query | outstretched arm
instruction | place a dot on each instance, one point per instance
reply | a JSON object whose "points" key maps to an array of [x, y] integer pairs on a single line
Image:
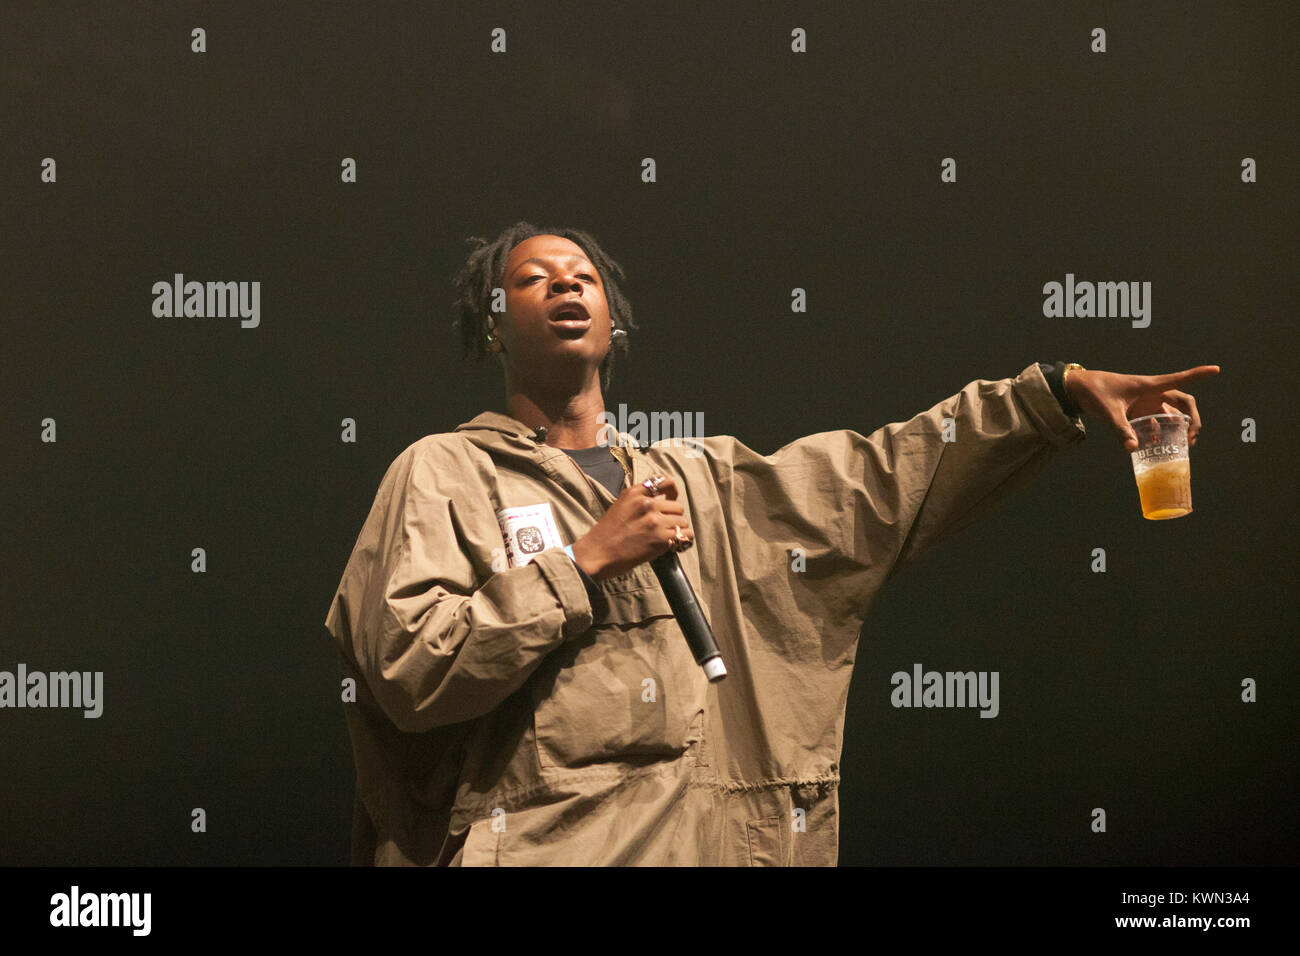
{"points": [[866, 505]]}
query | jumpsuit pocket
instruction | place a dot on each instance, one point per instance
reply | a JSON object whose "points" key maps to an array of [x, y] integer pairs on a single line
{"points": [[765, 841], [628, 688]]}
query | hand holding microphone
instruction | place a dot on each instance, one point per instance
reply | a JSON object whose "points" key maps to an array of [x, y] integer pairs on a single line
{"points": [[646, 523], [637, 528]]}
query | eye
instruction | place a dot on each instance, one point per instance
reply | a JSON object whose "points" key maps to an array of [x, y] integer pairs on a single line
{"points": [[584, 275]]}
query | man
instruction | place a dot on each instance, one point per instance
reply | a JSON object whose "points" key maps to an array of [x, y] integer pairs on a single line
{"points": [[525, 695]]}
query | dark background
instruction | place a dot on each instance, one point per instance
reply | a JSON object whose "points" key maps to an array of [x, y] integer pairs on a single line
{"points": [[775, 170]]}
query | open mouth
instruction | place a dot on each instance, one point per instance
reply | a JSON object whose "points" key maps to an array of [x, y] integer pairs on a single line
{"points": [[571, 325], [572, 318]]}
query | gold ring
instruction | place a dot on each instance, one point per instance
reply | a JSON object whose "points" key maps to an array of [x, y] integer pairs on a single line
{"points": [[679, 542]]}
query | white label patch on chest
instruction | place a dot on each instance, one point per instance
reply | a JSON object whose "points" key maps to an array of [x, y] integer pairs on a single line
{"points": [[528, 531]]}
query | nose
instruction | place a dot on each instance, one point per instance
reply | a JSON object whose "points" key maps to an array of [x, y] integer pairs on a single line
{"points": [[566, 282]]}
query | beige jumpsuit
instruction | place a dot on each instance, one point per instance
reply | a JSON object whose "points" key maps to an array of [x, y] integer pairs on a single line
{"points": [[498, 720]]}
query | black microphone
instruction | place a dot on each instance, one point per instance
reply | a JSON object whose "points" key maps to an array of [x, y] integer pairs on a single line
{"points": [[681, 598]]}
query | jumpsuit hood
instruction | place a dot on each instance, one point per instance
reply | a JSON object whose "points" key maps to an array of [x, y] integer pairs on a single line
{"points": [[503, 424], [522, 435]]}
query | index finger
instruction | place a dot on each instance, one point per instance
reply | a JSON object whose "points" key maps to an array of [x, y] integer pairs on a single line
{"points": [[1188, 375]]}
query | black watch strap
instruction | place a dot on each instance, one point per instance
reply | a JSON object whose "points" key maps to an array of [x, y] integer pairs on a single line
{"points": [[1055, 375]]}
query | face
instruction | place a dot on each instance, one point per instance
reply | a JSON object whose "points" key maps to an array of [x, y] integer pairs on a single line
{"points": [[550, 283]]}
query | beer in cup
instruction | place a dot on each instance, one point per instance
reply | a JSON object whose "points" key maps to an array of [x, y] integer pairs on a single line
{"points": [[1162, 467]]}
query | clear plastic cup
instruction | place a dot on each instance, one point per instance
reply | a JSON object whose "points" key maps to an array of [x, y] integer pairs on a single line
{"points": [[1162, 467]]}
